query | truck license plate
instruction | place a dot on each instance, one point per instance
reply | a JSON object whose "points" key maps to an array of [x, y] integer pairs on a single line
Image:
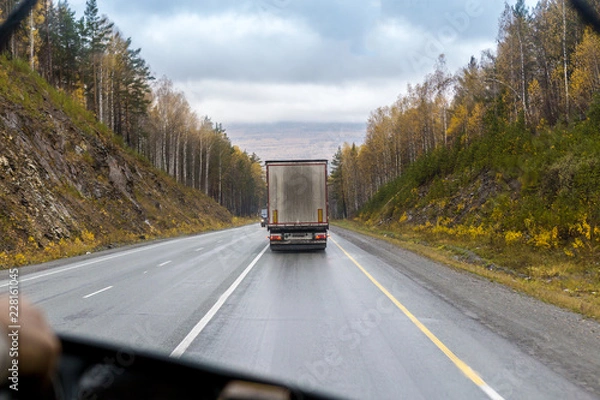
{"points": [[300, 236]]}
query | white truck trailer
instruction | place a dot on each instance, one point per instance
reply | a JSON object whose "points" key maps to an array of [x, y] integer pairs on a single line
{"points": [[298, 209]]}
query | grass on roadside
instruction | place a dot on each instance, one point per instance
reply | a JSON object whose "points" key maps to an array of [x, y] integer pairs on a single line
{"points": [[32, 253]]}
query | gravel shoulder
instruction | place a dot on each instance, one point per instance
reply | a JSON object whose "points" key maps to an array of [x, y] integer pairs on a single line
{"points": [[564, 341]]}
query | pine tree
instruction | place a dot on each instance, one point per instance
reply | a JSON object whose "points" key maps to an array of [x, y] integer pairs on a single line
{"points": [[96, 35]]}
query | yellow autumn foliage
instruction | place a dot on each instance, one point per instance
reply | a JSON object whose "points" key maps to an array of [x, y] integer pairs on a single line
{"points": [[512, 237]]}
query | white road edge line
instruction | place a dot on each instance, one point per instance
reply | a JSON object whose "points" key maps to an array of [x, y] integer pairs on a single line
{"points": [[185, 343], [98, 291], [492, 394]]}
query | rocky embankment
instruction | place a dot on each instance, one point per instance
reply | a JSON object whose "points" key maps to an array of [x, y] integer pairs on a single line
{"points": [[66, 178]]}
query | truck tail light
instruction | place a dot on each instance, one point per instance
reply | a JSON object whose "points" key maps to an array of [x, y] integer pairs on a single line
{"points": [[320, 236], [276, 237]]}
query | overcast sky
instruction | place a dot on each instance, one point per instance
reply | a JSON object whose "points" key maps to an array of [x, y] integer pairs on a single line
{"points": [[300, 60]]}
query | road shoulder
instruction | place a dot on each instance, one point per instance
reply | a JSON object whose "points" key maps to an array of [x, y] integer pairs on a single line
{"points": [[564, 341]]}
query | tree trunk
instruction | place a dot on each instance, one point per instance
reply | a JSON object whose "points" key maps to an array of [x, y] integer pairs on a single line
{"points": [[100, 97], [31, 42], [206, 170], [523, 77], [565, 61]]}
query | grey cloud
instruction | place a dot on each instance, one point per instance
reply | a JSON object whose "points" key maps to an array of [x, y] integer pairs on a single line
{"points": [[162, 7], [317, 43], [342, 20], [462, 18], [258, 62]]}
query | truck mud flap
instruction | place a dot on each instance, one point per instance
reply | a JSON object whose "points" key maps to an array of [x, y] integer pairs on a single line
{"points": [[298, 247]]}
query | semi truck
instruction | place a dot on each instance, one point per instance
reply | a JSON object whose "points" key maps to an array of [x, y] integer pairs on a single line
{"points": [[297, 207]]}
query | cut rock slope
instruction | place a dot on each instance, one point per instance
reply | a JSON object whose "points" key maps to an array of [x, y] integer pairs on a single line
{"points": [[64, 176]]}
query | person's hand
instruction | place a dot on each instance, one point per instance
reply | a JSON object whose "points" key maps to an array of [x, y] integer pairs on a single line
{"points": [[38, 346]]}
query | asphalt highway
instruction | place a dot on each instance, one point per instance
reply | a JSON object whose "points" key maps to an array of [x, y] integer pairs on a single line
{"points": [[351, 320]]}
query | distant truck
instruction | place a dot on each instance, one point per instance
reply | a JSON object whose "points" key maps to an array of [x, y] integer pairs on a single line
{"points": [[298, 209], [263, 217]]}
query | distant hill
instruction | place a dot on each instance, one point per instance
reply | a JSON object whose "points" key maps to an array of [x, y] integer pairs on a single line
{"points": [[68, 185], [292, 140]]}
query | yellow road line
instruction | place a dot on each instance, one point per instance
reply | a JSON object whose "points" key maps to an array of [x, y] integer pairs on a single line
{"points": [[462, 366]]}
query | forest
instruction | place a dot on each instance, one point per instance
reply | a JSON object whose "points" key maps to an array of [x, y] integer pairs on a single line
{"points": [[543, 74], [522, 118], [90, 59]]}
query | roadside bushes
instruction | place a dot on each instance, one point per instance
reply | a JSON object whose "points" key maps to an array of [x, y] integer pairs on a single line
{"points": [[511, 187]]}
